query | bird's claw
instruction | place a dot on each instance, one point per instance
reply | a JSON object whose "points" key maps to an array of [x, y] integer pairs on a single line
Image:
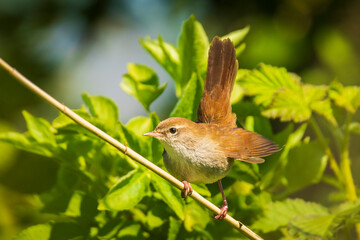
{"points": [[187, 191], [223, 211]]}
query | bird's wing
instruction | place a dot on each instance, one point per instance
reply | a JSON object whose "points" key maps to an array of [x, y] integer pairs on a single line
{"points": [[246, 146], [222, 67]]}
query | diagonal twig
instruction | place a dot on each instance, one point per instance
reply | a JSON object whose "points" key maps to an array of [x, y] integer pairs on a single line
{"points": [[129, 152]]}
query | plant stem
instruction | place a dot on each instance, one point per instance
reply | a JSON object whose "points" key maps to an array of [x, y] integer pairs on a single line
{"points": [[345, 162], [126, 150], [345, 166], [333, 164]]}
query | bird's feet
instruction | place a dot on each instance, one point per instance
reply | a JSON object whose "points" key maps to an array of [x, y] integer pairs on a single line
{"points": [[223, 211], [187, 191]]}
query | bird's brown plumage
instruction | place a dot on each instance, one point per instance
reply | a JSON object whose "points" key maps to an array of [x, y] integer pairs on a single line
{"points": [[215, 107], [222, 67]]}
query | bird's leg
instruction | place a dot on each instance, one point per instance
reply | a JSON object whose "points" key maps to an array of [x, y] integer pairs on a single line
{"points": [[224, 207], [187, 189]]}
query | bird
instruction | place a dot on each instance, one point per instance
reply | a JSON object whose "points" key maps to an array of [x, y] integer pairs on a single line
{"points": [[204, 151]]}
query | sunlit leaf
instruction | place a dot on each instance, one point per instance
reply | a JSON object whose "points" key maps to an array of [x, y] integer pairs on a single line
{"points": [[142, 83], [346, 97], [39, 232], [164, 53], [265, 80], [288, 104], [40, 129], [237, 36], [315, 98], [193, 47], [26, 143], [127, 192], [189, 102], [103, 109]]}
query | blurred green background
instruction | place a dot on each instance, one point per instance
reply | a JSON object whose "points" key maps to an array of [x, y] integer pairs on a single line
{"points": [[69, 47]]}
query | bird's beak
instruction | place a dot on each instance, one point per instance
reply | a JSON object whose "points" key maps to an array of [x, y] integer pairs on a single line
{"points": [[152, 134]]}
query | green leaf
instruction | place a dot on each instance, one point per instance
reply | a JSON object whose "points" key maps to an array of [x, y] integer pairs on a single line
{"points": [[266, 80], [279, 214], [313, 226], [156, 216], [164, 53], [23, 142], [271, 170], [39, 232], [355, 127], [130, 232], [173, 228], [127, 192], [188, 104], [141, 125], [170, 195], [193, 47], [103, 109], [196, 217], [238, 91], [142, 83], [284, 97], [244, 172], [310, 158], [40, 129], [288, 104], [315, 98], [346, 97], [237, 36], [201, 189]]}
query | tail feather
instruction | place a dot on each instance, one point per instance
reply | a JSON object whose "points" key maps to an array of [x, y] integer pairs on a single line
{"points": [[215, 104]]}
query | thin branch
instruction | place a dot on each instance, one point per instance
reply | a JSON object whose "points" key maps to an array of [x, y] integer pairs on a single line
{"points": [[129, 152]]}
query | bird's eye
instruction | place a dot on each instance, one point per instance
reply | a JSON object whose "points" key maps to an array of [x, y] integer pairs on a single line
{"points": [[172, 130]]}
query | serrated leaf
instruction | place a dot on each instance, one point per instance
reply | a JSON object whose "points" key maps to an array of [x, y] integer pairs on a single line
{"points": [[288, 104], [39, 232], [237, 36], [170, 195], [310, 158], [142, 83], [279, 214], [315, 98], [103, 109], [189, 102], [265, 80], [193, 47], [313, 226], [40, 129], [346, 97], [164, 53], [127, 192]]}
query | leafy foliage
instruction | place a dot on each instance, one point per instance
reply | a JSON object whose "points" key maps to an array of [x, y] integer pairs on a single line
{"points": [[102, 194]]}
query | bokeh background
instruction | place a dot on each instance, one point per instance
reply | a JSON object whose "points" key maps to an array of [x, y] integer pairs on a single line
{"points": [[70, 47]]}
